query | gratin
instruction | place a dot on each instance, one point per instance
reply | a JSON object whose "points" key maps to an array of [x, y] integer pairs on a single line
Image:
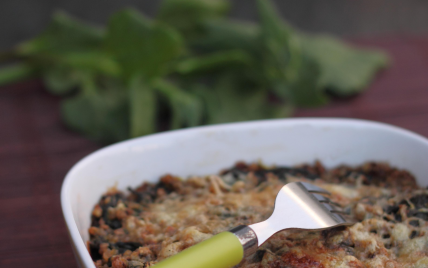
{"points": [[155, 221]]}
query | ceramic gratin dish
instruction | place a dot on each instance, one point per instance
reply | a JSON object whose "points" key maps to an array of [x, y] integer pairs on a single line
{"points": [[207, 150]]}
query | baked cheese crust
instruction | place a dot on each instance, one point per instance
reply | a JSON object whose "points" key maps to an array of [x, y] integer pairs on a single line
{"points": [[155, 221]]}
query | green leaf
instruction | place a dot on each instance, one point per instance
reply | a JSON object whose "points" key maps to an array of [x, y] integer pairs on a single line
{"points": [[16, 73], [276, 36], [141, 47], [187, 15], [91, 61], [220, 35], [344, 70], [273, 28], [69, 70], [60, 80], [186, 108], [293, 77], [191, 63], [304, 90], [282, 57], [142, 110], [221, 60], [64, 34], [229, 102], [228, 35], [101, 116]]}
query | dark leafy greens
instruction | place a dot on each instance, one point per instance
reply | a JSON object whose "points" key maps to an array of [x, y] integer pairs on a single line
{"points": [[188, 66]]}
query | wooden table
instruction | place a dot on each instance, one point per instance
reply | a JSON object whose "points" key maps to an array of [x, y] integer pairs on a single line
{"points": [[36, 150]]}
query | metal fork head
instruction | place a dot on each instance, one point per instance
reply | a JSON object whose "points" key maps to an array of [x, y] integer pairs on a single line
{"points": [[300, 205]]}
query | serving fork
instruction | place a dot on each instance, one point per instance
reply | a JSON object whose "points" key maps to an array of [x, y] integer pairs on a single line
{"points": [[298, 205]]}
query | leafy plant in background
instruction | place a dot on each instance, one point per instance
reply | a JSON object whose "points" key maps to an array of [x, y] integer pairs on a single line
{"points": [[188, 66]]}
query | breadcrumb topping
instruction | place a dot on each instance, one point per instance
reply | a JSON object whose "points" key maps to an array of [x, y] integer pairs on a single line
{"points": [[155, 221]]}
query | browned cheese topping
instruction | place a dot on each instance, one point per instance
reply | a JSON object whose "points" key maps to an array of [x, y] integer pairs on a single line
{"points": [[155, 221]]}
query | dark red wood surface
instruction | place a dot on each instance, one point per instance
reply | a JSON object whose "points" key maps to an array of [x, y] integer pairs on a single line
{"points": [[36, 150]]}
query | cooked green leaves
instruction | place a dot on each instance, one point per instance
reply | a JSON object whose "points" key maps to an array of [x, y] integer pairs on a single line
{"points": [[189, 66]]}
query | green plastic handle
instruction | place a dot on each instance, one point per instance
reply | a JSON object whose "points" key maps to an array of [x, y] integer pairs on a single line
{"points": [[223, 250]]}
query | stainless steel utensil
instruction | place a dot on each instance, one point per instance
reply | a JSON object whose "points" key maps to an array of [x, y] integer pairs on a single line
{"points": [[298, 205]]}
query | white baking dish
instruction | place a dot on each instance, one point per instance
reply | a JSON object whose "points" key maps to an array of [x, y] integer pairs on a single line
{"points": [[206, 150]]}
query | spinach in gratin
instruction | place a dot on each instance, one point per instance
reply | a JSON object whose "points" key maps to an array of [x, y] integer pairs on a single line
{"points": [[155, 221]]}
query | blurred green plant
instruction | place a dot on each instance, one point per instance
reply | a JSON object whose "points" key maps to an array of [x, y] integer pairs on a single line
{"points": [[190, 65]]}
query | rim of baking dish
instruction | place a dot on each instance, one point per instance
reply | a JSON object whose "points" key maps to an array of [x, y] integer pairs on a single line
{"points": [[80, 245]]}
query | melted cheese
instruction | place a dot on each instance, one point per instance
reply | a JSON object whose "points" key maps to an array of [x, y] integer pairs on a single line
{"points": [[203, 206]]}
